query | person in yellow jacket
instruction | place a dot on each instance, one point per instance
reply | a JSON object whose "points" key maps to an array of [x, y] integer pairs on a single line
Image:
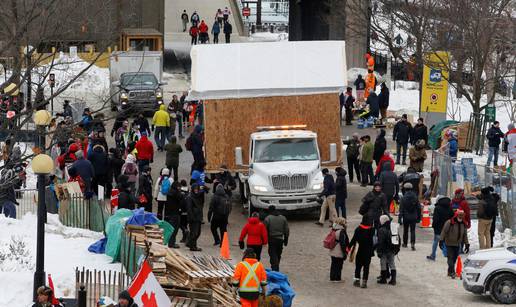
{"points": [[249, 277], [161, 121]]}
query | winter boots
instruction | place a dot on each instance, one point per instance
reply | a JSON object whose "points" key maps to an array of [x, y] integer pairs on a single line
{"points": [[383, 278], [356, 282], [363, 285], [393, 278]]}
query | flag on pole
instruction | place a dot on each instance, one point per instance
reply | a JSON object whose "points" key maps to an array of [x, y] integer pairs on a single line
{"points": [[55, 301], [146, 290]]}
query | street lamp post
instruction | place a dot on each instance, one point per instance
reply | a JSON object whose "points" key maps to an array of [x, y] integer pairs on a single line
{"points": [[42, 119], [42, 165]]}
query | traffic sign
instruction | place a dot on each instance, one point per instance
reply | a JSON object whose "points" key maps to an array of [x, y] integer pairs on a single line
{"points": [[246, 11], [490, 113]]}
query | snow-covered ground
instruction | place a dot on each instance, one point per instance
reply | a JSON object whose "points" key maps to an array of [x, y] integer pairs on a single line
{"points": [[66, 248], [268, 37]]}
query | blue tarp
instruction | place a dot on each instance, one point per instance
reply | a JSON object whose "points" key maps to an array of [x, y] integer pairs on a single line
{"points": [[140, 217], [98, 247], [277, 283]]}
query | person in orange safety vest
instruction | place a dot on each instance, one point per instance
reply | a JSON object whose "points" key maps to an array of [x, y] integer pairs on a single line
{"points": [[249, 277]]}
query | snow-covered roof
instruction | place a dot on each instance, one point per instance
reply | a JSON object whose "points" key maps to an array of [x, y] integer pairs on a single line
{"points": [[267, 69]]}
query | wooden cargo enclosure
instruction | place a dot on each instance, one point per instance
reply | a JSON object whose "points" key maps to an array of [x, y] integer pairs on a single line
{"points": [[230, 122]]}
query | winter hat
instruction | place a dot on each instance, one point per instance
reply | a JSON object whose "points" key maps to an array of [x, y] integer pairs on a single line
{"points": [[73, 147], [165, 172], [487, 190], [130, 158], [459, 191], [126, 296], [404, 116], [377, 184], [384, 219], [407, 186], [79, 154]]}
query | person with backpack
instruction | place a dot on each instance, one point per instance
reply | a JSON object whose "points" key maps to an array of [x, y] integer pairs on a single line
{"points": [[194, 19], [442, 213], [459, 203], [454, 235], [390, 185], [352, 152], [130, 169], [174, 205], [328, 194], [341, 192], [363, 236], [386, 250], [184, 20], [161, 189], [410, 215], [337, 242], [412, 177], [256, 234], [218, 214], [278, 232], [373, 205], [173, 151], [145, 189], [194, 206], [486, 210]]}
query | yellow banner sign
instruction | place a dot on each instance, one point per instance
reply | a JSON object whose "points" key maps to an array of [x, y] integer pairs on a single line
{"points": [[434, 94]]}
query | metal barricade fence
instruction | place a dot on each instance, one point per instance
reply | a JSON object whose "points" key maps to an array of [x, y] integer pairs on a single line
{"points": [[27, 202]]}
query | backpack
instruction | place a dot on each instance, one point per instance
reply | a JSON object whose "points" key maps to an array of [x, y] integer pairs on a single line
{"points": [[395, 238], [189, 143], [225, 207], [165, 185], [131, 171], [331, 240], [490, 209]]}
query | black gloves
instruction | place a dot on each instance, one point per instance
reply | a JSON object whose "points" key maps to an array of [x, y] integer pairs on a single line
{"points": [[466, 249], [241, 244], [285, 242]]}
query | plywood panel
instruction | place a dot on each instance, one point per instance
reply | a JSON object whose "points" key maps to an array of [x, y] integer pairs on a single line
{"points": [[229, 122]]}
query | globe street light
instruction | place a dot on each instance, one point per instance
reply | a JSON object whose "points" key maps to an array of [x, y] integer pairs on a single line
{"points": [[42, 119], [42, 165]]}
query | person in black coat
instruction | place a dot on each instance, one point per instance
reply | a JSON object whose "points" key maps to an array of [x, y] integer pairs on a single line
{"points": [[143, 124], [410, 176], [99, 159], [373, 205], [175, 203], [228, 29], [126, 199], [341, 191], [390, 184], [194, 204], [419, 132], [442, 213], [410, 215], [386, 252], [328, 194], [145, 188], [116, 162], [383, 100], [494, 136], [218, 214], [349, 102], [363, 235], [401, 134], [380, 145], [374, 107]]}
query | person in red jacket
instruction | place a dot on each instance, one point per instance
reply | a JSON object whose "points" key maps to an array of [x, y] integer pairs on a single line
{"points": [[203, 32], [459, 202], [145, 151], [194, 32], [68, 157], [386, 157], [256, 235]]}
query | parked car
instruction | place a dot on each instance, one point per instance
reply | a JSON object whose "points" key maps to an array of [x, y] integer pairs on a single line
{"points": [[492, 272]]}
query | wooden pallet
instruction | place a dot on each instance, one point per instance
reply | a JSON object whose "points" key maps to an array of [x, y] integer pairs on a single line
{"points": [[208, 275], [183, 302]]}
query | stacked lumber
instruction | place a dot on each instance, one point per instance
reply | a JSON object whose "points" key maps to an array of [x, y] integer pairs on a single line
{"points": [[203, 272], [151, 237]]}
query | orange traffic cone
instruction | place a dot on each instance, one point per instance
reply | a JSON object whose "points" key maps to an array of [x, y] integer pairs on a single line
{"points": [[224, 248], [425, 220], [458, 269]]}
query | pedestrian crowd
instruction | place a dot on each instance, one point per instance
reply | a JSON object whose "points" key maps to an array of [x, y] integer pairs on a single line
{"points": [[199, 28]]}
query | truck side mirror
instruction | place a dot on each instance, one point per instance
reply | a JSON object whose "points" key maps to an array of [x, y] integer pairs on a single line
{"points": [[333, 152], [238, 156]]}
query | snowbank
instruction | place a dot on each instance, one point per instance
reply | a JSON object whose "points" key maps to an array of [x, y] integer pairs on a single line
{"points": [[500, 239], [268, 37], [66, 248]]}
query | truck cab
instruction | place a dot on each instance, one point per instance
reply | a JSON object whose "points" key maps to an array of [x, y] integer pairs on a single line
{"points": [[284, 169]]}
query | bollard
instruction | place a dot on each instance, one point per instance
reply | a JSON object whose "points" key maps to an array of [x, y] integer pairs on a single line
{"points": [[81, 297]]}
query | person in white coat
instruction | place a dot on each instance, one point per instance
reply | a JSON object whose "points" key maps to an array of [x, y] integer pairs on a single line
{"points": [[161, 197]]}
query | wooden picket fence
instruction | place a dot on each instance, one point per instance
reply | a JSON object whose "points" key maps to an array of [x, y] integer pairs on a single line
{"points": [[100, 283]]}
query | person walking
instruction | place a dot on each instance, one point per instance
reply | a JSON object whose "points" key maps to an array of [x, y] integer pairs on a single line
{"points": [[454, 235], [360, 88], [338, 253], [249, 277], [366, 161], [401, 135], [380, 145], [172, 109], [386, 251], [373, 204], [352, 153], [194, 33], [225, 14], [420, 132], [410, 215], [328, 194], [130, 169], [184, 20], [349, 103], [175, 203], [374, 107], [215, 30], [194, 143], [194, 19], [143, 124], [219, 17], [390, 185], [417, 155], [203, 32], [161, 122], [173, 151], [145, 152], [486, 210], [228, 29], [256, 235], [145, 189], [101, 167], [363, 236], [383, 100], [341, 192], [194, 204], [278, 232], [494, 136], [459, 202], [442, 213], [183, 225], [161, 189], [218, 214]]}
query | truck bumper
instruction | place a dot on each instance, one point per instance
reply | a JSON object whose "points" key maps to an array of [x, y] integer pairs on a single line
{"points": [[286, 202]]}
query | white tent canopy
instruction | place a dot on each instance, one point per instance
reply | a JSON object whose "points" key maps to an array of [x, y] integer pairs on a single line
{"points": [[267, 69]]}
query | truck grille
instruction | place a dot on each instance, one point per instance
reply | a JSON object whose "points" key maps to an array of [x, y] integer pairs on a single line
{"points": [[289, 183], [141, 94]]}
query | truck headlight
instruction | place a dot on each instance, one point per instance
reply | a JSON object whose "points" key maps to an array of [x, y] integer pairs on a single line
{"points": [[317, 186], [123, 95], [260, 188], [159, 93], [476, 264]]}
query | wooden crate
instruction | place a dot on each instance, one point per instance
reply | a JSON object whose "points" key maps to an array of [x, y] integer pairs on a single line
{"points": [[230, 122]]}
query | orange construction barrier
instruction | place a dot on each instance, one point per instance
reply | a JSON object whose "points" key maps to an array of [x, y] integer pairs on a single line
{"points": [[458, 269], [224, 248], [425, 219]]}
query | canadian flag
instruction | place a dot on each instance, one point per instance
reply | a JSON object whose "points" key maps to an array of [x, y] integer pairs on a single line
{"points": [[146, 290]]}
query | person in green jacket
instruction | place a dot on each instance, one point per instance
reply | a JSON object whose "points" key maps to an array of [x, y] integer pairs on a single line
{"points": [[173, 150], [366, 160]]}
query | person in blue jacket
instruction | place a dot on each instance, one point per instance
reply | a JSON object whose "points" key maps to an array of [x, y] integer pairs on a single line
{"points": [[454, 145], [215, 30]]}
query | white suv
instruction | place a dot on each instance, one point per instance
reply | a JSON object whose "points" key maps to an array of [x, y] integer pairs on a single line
{"points": [[493, 272]]}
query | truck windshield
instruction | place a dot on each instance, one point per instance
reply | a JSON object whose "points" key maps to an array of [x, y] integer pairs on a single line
{"points": [[285, 150], [147, 79]]}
